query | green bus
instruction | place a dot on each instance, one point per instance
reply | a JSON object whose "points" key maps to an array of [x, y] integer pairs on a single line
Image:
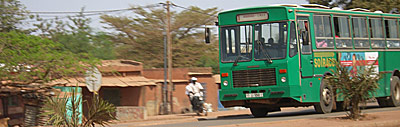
{"points": [[277, 56]]}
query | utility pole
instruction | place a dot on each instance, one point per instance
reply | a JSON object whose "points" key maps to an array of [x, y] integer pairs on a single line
{"points": [[165, 85], [169, 55]]}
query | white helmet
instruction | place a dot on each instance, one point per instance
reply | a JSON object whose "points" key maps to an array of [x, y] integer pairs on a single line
{"points": [[194, 79]]}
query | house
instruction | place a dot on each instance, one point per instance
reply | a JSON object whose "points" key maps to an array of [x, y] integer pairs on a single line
{"points": [[137, 92], [123, 85], [20, 104], [180, 78]]}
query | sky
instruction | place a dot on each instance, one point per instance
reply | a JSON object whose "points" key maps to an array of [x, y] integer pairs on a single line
{"points": [[76, 5], [97, 5]]}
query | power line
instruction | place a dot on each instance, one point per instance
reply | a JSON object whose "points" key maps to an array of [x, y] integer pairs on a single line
{"points": [[75, 12], [193, 10], [101, 11], [62, 17], [65, 14]]}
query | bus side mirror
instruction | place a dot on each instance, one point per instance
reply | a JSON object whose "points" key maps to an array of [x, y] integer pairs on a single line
{"points": [[207, 35]]}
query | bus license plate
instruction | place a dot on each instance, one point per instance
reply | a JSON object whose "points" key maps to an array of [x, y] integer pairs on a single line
{"points": [[251, 95]]}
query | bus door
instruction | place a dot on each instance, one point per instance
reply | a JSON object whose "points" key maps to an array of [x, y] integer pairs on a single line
{"points": [[306, 57]]}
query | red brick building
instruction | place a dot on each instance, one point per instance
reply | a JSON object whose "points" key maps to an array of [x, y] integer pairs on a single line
{"points": [[180, 77], [137, 92]]}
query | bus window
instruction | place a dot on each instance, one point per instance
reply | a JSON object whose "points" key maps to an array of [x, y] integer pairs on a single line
{"points": [[342, 32], [292, 40], [246, 38], [323, 32], [236, 43], [376, 30], [392, 34], [270, 41], [360, 33], [304, 37]]}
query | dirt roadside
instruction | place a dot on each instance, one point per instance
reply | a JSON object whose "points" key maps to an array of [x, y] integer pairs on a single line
{"points": [[378, 119]]}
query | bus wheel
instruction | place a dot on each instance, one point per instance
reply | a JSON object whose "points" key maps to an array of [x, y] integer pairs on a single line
{"points": [[259, 112], [394, 99], [326, 100]]}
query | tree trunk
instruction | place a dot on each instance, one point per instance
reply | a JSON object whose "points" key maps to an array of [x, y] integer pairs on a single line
{"points": [[355, 109]]}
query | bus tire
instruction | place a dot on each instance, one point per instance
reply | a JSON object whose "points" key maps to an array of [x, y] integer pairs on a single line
{"points": [[259, 112], [326, 100], [394, 98]]}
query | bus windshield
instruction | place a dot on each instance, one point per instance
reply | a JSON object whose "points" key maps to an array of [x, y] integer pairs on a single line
{"points": [[270, 41], [236, 43]]}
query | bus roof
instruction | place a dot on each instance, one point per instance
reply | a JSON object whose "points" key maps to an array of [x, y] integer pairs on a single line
{"points": [[317, 9]]}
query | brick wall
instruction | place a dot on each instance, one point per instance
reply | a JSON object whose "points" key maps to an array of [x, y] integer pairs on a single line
{"points": [[180, 99], [129, 113]]}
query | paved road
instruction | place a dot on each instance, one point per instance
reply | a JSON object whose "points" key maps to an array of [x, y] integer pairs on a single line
{"points": [[300, 113]]}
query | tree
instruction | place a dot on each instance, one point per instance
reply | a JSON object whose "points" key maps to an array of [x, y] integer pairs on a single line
{"points": [[354, 87], [11, 14], [141, 37], [28, 59], [387, 6], [77, 36]]}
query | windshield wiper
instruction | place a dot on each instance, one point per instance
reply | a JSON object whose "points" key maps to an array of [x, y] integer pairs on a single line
{"points": [[264, 52], [237, 60]]}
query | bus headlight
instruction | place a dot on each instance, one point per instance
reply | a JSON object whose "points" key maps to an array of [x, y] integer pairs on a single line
{"points": [[283, 79], [225, 83]]}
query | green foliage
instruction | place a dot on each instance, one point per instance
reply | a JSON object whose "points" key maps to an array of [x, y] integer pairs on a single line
{"points": [[141, 37], [103, 47], [354, 87], [100, 112], [57, 108], [206, 61], [77, 36], [64, 111], [11, 14], [387, 6], [30, 59]]}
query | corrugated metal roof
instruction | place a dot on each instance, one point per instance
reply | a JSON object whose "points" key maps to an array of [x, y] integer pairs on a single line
{"points": [[175, 80], [112, 81], [196, 73]]}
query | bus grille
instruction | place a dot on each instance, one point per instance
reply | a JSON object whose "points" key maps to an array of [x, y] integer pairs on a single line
{"points": [[259, 77]]}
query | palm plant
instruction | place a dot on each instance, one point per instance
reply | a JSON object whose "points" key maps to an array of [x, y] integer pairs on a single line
{"points": [[354, 87], [64, 111]]}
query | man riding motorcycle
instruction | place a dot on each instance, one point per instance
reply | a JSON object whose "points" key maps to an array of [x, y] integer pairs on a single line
{"points": [[194, 90]]}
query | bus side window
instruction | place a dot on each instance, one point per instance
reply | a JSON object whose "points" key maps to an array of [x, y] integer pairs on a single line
{"points": [[376, 30], [292, 40], [342, 32], [360, 32], [303, 36], [323, 31], [392, 34]]}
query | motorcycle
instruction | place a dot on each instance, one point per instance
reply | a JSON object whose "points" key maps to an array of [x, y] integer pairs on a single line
{"points": [[198, 106]]}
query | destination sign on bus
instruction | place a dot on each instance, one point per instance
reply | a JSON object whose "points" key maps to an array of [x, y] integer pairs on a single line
{"points": [[252, 17]]}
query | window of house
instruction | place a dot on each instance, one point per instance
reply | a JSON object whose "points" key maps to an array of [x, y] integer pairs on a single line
{"points": [[392, 34], [360, 32], [112, 95], [13, 101], [342, 32], [204, 85], [323, 31], [376, 30]]}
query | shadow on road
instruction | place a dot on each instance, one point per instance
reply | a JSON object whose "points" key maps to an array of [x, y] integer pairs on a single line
{"points": [[295, 113]]}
